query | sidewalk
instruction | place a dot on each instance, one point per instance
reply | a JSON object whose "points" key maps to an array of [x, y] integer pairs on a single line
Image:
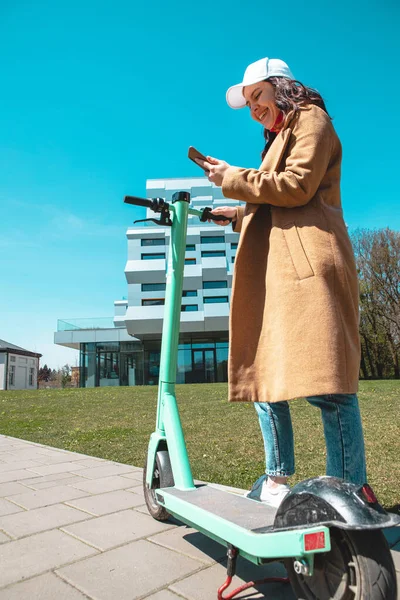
{"points": [[73, 527]]}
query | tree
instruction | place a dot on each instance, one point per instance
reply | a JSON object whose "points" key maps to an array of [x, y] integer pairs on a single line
{"points": [[65, 375], [378, 263], [44, 373]]}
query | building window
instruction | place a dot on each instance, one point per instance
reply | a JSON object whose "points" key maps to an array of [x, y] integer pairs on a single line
{"points": [[153, 256], [215, 299], [190, 261], [212, 253], [190, 247], [31, 376], [12, 358], [212, 239], [11, 375], [189, 293], [189, 308], [214, 285], [153, 287], [234, 246], [153, 302], [153, 242], [233, 259]]}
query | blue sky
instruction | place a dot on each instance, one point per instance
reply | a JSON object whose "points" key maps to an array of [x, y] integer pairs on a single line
{"points": [[99, 96]]}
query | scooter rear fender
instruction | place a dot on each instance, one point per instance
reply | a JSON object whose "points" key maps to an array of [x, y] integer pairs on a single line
{"points": [[332, 502]]}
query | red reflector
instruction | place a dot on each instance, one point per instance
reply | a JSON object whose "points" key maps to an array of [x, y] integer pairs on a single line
{"points": [[314, 541], [368, 494]]}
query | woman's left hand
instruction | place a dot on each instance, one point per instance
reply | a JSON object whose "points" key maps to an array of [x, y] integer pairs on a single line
{"points": [[214, 169]]}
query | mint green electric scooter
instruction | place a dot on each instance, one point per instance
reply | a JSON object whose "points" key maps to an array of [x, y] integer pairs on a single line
{"points": [[327, 532]]}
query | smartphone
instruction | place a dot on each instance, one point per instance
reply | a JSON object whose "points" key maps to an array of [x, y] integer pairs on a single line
{"points": [[193, 154]]}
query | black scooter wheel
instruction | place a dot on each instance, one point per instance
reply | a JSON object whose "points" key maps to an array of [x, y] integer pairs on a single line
{"points": [[162, 478], [359, 566]]}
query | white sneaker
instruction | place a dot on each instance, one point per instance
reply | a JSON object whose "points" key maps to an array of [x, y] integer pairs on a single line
{"points": [[274, 495], [256, 488]]}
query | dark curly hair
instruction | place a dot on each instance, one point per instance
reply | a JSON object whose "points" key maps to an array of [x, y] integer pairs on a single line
{"points": [[290, 94]]}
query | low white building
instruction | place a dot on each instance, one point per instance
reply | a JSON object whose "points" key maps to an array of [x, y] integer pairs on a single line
{"points": [[18, 367]]}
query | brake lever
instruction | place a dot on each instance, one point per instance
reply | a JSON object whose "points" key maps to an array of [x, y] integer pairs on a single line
{"points": [[165, 220]]}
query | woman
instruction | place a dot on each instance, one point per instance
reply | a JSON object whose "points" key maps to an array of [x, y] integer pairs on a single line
{"points": [[294, 308]]}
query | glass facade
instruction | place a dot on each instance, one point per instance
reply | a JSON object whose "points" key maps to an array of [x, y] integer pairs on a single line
{"points": [[212, 253], [212, 239], [213, 285], [153, 242], [153, 256], [137, 363]]}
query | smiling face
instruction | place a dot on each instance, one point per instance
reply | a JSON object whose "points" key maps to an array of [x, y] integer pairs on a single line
{"points": [[260, 98]]}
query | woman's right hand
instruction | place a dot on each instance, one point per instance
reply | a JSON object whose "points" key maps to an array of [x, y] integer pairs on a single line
{"points": [[227, 211]]}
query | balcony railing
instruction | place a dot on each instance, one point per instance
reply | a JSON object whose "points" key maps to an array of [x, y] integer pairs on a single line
{"points": [[91, 323]]}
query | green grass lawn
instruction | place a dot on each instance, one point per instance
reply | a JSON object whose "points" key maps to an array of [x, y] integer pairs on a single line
{"points": [[223, 439]]}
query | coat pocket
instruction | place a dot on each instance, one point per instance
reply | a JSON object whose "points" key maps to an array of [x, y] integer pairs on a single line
{"points": [[296, 250]]}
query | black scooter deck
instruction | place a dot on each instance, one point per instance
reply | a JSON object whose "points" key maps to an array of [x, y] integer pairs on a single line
{"points": [[249, 514]]}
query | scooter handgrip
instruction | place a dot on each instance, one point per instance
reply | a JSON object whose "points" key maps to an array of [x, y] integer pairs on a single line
{"points": [[208, 215], [146, 202]]}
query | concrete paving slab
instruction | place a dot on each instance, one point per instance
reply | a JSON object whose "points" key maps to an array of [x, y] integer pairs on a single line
{"points": [[163, 595], [93, 462], [396, 557], [102, 504], [7, 490], [137, 475], [129, 572], [204, 585], [17, 475], [118, 528], [20, 464], [49, 484], [164, 564], [4, 538], [105, 471], [28, 522], [142, 508], [68, 467], [39, 553], [8, 508], [103, 484], [137, 485], [191, 543], [38, 498], [43, 587], [46, 478], [55, 459], [25, 454]]}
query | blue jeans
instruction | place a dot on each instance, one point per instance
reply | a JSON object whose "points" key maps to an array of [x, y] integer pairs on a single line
{"points": [[345, 454]]}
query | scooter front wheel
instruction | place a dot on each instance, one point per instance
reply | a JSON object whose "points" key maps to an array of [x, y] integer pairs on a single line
{"points": [[162, 477], [359, 566]]}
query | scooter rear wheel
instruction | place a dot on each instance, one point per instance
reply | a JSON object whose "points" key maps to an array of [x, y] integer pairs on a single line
{"points": [[359, 566], [162, 477]]}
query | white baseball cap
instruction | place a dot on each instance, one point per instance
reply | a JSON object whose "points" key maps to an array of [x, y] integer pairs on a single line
{"points": [[258, 71]]}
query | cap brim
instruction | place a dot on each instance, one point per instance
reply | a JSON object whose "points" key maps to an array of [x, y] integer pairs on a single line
{"points": [[234, 96]]}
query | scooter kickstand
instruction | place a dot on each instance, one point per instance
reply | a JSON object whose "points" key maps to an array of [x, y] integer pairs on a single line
{"points": [[232, 555]]}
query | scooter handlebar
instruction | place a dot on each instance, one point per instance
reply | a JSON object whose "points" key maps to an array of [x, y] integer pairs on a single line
{"points": [[207, 214], [146, 202]]}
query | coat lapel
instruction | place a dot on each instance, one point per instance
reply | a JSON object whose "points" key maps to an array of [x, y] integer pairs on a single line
{"points": [[275, 153], [271, 161]]}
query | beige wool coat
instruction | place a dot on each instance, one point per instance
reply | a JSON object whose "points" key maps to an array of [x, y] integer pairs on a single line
{"points": [[294, 307]]}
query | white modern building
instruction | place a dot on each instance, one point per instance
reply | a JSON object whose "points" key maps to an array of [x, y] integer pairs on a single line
{"points": [[18, 367], [125, 350]]}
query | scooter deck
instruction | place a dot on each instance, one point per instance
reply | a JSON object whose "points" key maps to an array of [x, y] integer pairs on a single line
{"points": [[240, 511], [244, 523]]}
